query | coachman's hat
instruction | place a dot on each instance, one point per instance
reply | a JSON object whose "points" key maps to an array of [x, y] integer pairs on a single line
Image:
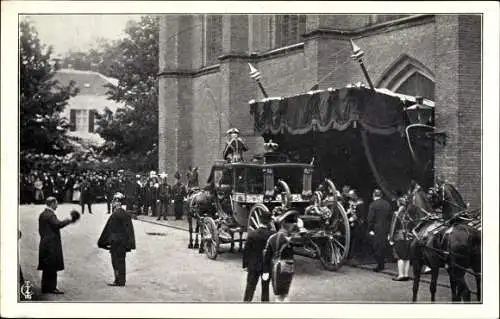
{"points": [[233, 131]]}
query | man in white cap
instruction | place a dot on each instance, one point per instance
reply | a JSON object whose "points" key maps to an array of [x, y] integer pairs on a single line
{"points": [[118, 237], [233, 152]]}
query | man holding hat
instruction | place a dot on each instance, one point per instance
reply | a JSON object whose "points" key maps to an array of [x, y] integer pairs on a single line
{"points": [[118, 237], [50, 254], [279, 258], [253, 259], [379, 219]]}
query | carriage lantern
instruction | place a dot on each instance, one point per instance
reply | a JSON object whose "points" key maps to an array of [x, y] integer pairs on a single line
{"points": [[420, 113]]}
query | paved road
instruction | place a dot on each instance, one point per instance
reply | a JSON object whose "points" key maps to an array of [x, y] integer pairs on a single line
{"points": [[162, 269]]}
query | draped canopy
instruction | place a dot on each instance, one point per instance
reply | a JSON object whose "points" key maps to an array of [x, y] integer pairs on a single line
{"points": [[377, 112], [370, 128]]}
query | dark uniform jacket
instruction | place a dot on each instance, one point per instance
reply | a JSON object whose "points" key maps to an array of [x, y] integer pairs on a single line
{"points": [[164, 192], [50, 254], [253, 253], [178, 192], [379, 218], [272, 250], [118, 233]]}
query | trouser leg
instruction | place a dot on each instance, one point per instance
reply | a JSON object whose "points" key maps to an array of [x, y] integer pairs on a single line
{"points": [[89, 205], [265, 290], [252, 279], [108, 204], [119, 266], [49, 280]]}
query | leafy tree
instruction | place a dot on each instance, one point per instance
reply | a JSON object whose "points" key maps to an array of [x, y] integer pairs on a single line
{"points": [[132, 132], [41, 98]]}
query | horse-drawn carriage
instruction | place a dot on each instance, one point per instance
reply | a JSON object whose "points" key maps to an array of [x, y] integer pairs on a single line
{"points": [[239, 193]]}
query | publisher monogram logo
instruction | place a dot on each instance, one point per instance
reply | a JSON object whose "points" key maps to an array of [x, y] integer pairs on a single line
{"points": [[26, 290]]}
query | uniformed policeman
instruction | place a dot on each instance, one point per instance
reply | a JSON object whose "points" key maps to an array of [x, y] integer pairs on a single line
{"points": [[164, 195], [178, 194], [279, 258], [253, 260]]}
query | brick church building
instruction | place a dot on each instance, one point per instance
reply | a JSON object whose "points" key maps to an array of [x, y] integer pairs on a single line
{"points": [[205, 87]]}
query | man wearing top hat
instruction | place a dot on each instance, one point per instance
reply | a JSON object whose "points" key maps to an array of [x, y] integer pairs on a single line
{"points": [[379, 219], [253, 258], [118, 237], [233, 152], [178, 194]]}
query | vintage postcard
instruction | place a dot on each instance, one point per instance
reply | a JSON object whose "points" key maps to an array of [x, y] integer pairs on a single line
{"points": [[249, 159]]}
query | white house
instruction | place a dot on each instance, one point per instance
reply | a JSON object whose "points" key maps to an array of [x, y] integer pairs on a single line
{"points": [[90, 99]]}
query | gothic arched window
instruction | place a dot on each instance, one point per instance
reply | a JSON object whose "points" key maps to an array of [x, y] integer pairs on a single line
{"points": [[408, 76]]}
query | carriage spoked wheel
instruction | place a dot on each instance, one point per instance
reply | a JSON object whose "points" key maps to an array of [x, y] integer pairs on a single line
{"points": [[210, 238], [255, 216], [334, 247]]}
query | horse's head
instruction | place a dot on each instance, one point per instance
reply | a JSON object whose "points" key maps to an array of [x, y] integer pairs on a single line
{"points": [[449, 199]]}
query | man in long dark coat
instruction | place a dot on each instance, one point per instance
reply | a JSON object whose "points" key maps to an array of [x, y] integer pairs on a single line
{"points": [[253, 258], [86, 195], [50, 254], [379, 221], [178, 194], [118, 237]]}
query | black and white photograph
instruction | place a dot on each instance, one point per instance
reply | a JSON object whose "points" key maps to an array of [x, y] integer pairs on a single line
{"points": [[245, 156]]}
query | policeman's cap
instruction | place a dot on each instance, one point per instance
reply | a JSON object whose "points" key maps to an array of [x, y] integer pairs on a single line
{"points": [[119, 197], [377, 193]]}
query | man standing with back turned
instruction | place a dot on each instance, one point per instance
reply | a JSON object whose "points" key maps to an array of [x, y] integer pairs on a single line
{"points": [[379, 219]]}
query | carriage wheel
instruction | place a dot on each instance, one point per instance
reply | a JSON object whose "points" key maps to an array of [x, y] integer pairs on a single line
{"points": [[210, 238], [254, 217], [335, 247]]}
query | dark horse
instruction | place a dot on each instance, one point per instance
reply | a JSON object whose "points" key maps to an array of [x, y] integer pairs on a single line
{"points": [[449, 241], [205, 202], [199, 202]]}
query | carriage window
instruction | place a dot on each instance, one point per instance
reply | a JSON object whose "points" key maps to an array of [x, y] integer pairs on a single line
{"points": [[240, 180], [223, 177], [255, 180], [292, 176]]}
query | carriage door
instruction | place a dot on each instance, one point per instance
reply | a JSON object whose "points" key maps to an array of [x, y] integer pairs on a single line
{"points": [[306, 182], [268, 182]]}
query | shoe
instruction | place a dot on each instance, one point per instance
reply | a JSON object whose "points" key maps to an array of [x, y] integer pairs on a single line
{"points": [[115, 284], [426, 271], [378, 269], [406, 278], [399, 279], [56, 292], [158, 219]]}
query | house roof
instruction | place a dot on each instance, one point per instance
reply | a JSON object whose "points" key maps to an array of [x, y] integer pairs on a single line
{"points": [[88, 82]]}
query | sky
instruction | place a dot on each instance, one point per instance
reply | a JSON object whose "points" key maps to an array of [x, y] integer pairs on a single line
{"points": [[78, 32]]}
